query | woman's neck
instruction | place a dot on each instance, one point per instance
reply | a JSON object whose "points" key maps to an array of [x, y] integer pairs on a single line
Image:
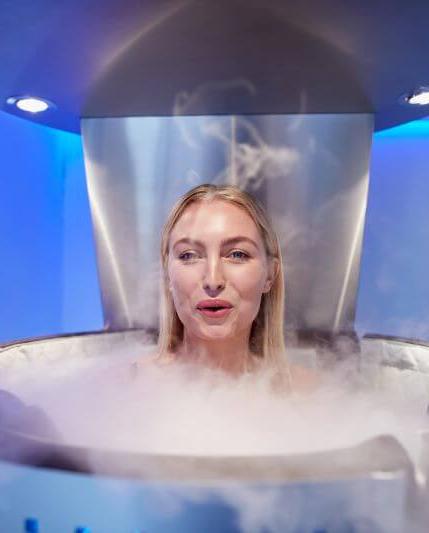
{"points": [[232, 356]]}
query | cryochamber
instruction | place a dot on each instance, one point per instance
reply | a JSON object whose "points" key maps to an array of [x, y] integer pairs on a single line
{"points": [[171, 95]]}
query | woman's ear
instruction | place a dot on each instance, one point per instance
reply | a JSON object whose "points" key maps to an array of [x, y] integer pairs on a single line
{"points": [[273, 271]]}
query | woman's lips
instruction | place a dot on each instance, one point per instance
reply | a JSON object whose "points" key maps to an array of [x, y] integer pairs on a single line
{"points": [[214, 302], [214, 308], [219, 312]]}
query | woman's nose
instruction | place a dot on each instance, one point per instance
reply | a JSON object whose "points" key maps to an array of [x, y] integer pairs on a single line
{"points": [[214, 279]]}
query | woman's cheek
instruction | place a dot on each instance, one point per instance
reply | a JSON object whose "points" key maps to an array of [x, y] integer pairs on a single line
{"points": [[249, 282], [184, 283]]}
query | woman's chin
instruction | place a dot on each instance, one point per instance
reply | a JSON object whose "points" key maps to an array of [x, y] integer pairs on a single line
{"points": [[219, 333]]}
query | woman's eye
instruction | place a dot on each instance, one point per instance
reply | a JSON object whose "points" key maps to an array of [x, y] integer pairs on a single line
{"points": [[186, 256], [238, 254], [235, 254]]}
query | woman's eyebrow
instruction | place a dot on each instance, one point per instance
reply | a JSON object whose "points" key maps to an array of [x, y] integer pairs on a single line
{"points": [[224, 242]]}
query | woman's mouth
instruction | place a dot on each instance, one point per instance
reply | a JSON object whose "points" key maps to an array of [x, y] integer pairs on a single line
{"points": [[215, 308], [214, 312]]}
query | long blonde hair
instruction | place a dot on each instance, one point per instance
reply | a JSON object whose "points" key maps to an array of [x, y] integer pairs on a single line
{"points": [[266, 337]]}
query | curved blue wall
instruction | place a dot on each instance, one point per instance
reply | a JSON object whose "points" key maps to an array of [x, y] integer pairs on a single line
{"points": [[48, 278], [394, 283]]}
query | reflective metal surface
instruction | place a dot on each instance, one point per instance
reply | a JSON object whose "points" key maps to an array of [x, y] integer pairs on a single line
{"points": [[310, 171]]}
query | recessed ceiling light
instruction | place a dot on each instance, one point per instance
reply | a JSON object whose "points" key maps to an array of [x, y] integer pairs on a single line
{"points": [[419, 97], [31, 104]]}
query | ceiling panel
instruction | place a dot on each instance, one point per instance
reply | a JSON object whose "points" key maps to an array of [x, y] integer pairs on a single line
{"points": [[133, 57]]}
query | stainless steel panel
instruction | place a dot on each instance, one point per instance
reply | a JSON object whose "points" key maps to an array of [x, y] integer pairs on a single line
{"points": [[310, 171]]}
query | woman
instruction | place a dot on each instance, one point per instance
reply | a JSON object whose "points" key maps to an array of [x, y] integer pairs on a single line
{"points": [[222, 294]]}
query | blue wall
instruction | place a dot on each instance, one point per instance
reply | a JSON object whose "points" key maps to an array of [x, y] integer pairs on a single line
{"points": [[394, 286], [48, 278]]}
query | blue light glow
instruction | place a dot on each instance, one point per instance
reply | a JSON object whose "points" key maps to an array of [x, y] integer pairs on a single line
{"points": [[416, 128]]}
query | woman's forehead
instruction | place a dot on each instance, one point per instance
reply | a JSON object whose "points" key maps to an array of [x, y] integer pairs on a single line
{"points": [[214, 218]]}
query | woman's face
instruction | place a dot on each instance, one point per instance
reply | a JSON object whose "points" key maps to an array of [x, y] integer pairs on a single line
{"points": [[216, 252]]}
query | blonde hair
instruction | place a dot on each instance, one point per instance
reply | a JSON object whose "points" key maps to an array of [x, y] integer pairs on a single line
{"points": [[266, 337]]}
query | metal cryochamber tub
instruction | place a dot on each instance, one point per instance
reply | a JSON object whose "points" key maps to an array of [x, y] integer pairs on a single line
{"points": [[367, 487]]}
